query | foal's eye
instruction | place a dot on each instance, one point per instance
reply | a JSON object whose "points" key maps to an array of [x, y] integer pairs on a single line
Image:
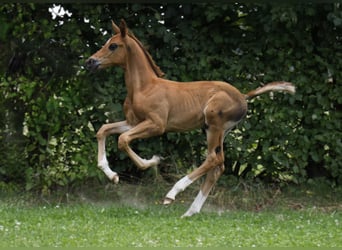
{"points": [[113, 46]]}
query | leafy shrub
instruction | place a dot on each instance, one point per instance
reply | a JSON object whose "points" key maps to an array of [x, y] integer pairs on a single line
{"points": [[51, 107]]}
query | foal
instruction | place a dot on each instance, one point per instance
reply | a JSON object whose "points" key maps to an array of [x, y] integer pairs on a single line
{"points": [[155, 105]]}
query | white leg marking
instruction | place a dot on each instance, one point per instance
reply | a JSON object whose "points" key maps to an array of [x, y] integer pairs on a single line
{"points": [[196, 205], [154, 161], [103, 165], [144, 164], [178, 187], [107, 129]]}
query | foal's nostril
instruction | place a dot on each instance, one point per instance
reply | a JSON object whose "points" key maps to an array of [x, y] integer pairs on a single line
{"points": [[91, 63]]}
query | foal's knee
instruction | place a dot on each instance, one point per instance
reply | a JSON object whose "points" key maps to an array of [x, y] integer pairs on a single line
{"points": [[100, 134], [123, 142]]}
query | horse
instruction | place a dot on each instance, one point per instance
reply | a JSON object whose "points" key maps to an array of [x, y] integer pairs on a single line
{"points": [[154, 106]]}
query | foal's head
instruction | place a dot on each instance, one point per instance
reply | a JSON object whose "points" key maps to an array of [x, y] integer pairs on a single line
{"points": [[113, 53], [115, 50]]}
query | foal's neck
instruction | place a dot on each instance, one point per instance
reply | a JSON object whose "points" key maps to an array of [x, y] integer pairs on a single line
{"points": [[138, 71]]}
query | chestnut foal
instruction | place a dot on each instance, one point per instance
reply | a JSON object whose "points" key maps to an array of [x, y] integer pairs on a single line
{"points": [[155, 105]]}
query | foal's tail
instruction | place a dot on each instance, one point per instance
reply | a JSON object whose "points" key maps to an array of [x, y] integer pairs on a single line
{"points": [[273, 86]]}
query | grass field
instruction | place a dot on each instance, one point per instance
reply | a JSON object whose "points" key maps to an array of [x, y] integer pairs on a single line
{"points": [[121, 216]]}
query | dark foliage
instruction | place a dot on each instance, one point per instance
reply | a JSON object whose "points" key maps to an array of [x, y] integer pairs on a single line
{"points": [[51, 107]]}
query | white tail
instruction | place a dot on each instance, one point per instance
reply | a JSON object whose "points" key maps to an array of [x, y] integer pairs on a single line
{"points": [[273, 86]]}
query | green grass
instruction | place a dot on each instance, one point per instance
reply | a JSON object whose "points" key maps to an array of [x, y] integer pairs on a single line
{"points": [[35, 222]]}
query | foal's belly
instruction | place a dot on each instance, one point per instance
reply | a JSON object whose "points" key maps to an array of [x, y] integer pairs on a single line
{"points": [[185, 122]]}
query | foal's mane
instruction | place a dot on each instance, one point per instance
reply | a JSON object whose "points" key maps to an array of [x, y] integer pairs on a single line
{"points": [[154, 66]]}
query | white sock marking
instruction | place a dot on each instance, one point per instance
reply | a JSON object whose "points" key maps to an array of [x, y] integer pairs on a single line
{"points": [[196, 205], [179, 187], [103, 165], [154, 161]]}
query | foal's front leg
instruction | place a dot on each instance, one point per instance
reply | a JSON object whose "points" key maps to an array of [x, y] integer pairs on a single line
{"points": [[104, 131], [145, 129]]}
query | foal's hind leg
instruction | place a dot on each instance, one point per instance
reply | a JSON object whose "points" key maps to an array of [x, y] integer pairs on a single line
{"points": [[221, 114], [214, 158], [213, 173], [104, 131], [212, 176]]}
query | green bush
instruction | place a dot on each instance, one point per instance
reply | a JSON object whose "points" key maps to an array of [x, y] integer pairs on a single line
{"points": [[51, 107]]}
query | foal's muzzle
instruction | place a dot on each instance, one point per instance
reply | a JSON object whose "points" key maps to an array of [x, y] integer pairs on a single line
{"points": [[92, 64]]}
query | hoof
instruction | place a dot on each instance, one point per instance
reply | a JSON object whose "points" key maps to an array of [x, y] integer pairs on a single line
{"points": [[185, 216], [115, 179], [168, 201], [156, 159], [189, 214]]}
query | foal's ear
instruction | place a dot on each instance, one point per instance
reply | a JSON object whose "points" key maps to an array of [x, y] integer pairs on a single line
{"points": [[115, 28], [123, 28]]}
